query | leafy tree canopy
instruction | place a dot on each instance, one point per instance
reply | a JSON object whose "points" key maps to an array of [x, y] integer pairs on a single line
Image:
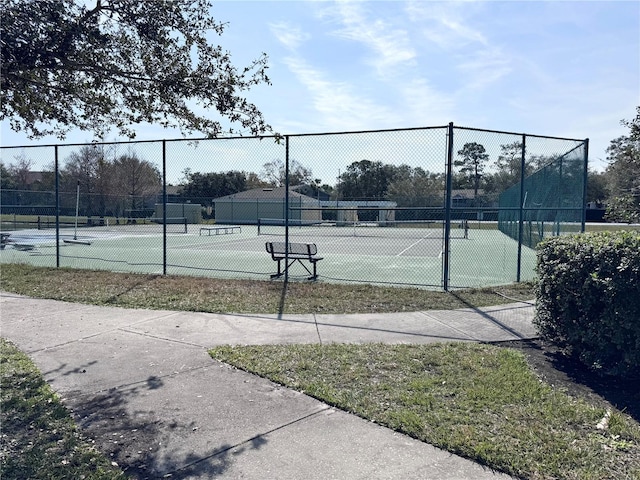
{"points": [[472, 162], [115, 63], [274, 173], [366, 180], [108, 185], [416, 187], [204, 187], [623, 173]]}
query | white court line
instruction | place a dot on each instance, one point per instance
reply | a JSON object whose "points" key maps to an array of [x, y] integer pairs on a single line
{"points": [[412, 245]]}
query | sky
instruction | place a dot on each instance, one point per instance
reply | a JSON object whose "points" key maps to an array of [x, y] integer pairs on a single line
{"points": [[558, 68]]}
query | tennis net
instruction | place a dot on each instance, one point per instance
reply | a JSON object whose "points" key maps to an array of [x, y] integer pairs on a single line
{"points": [[419, 229], [149, 225]]}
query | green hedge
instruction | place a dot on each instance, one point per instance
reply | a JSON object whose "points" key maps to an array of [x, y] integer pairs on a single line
{"points": [[588, 298]]}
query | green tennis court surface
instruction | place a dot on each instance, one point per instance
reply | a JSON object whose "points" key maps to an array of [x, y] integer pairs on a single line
{"points": [[365, 254]]}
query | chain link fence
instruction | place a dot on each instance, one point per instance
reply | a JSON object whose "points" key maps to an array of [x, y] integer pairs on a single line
{"points": [[441, 207]]}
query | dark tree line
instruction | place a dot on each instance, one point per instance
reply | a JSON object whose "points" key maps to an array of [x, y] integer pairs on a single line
{"points": [[109, 183], [415, 186], [622, 176]]}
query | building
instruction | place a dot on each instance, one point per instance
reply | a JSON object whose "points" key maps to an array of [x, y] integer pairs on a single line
{"points": [[265, 203]]}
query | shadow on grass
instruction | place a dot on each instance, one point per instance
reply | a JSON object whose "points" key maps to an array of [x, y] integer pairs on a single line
{"points": [[622, 393], [569, 374], [283, 297], [113, 300]]}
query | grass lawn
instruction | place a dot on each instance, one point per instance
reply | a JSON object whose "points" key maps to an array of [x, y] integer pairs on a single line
{"points": [[484, 402], [480, 401], [239, 296]]}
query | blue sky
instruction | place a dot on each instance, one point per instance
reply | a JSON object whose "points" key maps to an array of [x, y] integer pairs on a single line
{"points": [[559, 68]]}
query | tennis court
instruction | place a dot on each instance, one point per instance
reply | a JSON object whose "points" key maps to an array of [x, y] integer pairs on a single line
{"points": [[375, 205], [365, 253]]}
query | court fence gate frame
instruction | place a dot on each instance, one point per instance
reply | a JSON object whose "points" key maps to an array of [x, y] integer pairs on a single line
{"points": [[506, 191]]}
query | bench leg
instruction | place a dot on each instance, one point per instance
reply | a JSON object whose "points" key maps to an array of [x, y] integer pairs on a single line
{"points": [[279, 274], [314, 274]]}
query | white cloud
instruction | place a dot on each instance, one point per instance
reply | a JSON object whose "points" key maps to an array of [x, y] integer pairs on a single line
{"points": [[426, 105], [338, 102], [449, 27], [288, 35], [484, 68], [444, 23], [390, 46]]}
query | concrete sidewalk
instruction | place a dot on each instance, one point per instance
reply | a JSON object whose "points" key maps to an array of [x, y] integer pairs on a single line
{"points": [[141, 384]]}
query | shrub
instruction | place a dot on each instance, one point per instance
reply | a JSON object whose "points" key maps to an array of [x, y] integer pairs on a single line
{"points": [[588, 298]]}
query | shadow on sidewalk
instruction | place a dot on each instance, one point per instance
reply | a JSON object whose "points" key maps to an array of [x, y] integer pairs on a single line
{"points": [[137, 439]]}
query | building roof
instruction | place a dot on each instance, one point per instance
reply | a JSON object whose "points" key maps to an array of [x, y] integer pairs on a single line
{"points": [[268, 193]]}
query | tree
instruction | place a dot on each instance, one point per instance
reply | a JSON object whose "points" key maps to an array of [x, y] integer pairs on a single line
{"points": [[253, 180], [136, 179], [115, 63], [108, 186], [597, 187], [274, 173], [510, 159], [472, 163], [623, 172], [204, 187], [413, 187], [7, 181], [366, 180], [509, 167], [83, 168], [20, 170], [7, 186]]}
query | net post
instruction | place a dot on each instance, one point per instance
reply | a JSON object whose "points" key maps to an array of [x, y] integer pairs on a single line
{"points": [[447, 210], [521, 208]]}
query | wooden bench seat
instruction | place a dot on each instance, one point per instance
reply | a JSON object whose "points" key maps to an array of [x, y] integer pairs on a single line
{"points": [[296, 252]]}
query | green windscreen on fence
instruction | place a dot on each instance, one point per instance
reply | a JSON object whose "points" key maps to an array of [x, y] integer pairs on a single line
{"points": [[549, 202]]}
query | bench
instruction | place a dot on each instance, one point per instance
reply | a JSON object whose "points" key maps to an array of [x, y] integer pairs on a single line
{"points": [[220, 230], [297, 252]]}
